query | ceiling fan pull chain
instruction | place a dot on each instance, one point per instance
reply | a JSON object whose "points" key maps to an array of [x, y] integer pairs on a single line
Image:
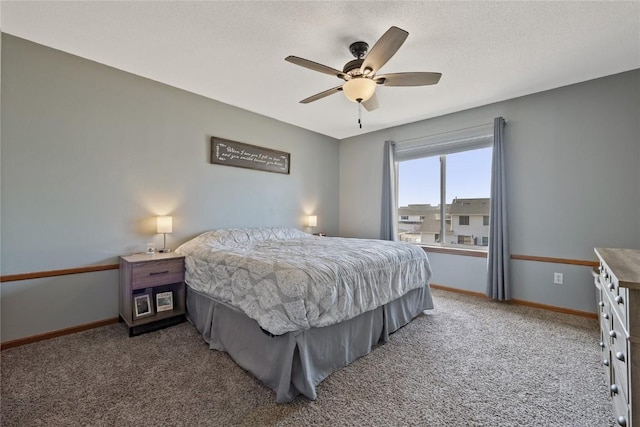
{"points": [[360, 114]]}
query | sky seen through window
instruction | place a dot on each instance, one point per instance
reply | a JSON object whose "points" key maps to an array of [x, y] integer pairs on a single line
{"points": [[468, 176]]}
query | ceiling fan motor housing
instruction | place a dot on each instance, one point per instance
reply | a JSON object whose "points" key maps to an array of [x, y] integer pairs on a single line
{"points": [[359, 50]]}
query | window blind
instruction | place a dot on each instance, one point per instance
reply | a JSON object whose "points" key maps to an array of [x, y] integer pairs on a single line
{"points": [[445, 143]]}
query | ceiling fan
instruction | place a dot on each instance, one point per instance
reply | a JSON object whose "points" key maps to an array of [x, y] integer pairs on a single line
{"points": [[359, 75]]}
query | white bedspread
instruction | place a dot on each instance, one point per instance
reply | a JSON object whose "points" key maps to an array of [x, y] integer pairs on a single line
{"points": [[288, 280]]}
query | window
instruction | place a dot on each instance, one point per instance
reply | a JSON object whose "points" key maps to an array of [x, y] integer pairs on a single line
{"points": [[465, 240], [448, 185]]}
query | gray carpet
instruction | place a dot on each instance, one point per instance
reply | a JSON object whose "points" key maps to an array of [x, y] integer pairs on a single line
{"points": [[469, 362]]}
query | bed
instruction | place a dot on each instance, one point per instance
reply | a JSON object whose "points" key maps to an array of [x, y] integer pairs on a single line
{"points": [[291, 308]]}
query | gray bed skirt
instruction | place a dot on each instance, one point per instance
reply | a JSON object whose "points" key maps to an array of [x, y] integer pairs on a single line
{"points": [[296, 362]]}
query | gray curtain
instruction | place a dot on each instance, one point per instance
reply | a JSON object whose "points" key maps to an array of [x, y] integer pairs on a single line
{"points": [[498, 282], [389, 225]]}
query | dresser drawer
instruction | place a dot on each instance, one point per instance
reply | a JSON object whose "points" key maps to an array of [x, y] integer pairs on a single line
{"points": [[620, 410], [605, 356], [616, 296], [619, 376], [606, 321], [620, 359], [619, 305], [157, 273]]}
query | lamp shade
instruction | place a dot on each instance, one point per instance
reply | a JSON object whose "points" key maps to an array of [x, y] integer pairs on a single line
{"points": [[312, 220], [165, 224], [359, 89]]}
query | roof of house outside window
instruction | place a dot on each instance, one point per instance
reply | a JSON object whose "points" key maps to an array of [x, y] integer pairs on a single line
{"points": [[470, 206], [418, 210]]}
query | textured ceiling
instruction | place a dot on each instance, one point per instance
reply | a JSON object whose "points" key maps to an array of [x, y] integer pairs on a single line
{"points": [[234, 51]]}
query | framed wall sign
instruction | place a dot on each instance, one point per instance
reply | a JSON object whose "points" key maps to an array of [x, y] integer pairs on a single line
{"points": [[238, 154]]}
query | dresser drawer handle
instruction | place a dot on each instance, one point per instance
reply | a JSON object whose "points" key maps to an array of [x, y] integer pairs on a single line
{"points": [[618, 299], [157, 273], [605, 315], [620, 356], [613, 334], [605, 362], [601, 304], [601, 344], [614, 388], [610, 286], [622, 421]]}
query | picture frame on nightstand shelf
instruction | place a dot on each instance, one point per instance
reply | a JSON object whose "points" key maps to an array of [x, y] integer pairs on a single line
{"points": [[142, 306], [164, 301]]}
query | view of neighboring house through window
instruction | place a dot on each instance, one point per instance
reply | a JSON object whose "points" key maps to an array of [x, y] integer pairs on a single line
{"points": [[463, 181]]}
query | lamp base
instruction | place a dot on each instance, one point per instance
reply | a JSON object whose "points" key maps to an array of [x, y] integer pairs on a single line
{"points": [[164, 250]]}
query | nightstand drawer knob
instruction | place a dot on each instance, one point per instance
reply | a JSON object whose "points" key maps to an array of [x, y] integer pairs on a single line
{"points": [[601, 304], [601, 344], [605, 315], [614, 388], [605, 362], [620, 356], [618, 299], [612, 334], [610, 286], [157, 273], [622, 421]]}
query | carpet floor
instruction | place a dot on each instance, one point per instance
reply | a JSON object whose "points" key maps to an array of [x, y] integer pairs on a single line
{"points": [[468, 362]]}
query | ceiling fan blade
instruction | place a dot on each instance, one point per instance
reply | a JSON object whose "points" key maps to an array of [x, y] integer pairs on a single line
{"points": [[408, 79], [315, 66], [321, 95], [383, 50], [371, 103]]}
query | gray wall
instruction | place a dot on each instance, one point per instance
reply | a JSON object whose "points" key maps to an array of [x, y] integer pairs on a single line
{"points": [[90, 155], [572, 159]]}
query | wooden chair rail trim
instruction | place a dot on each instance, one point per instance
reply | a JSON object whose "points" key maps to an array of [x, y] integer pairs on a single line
{"points": [[53, 273], [53, 334], [556, 260]]}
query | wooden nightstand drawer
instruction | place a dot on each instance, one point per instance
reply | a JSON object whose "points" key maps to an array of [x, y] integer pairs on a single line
{"points": [[157, 273]]}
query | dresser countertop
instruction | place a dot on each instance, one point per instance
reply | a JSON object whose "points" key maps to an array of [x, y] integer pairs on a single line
{"points": [[624, 264]]}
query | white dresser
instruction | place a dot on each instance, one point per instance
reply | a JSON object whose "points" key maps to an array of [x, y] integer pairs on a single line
{"points": [[618, 284]]}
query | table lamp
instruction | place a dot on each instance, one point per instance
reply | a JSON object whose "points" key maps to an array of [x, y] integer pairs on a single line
{"points": [[164, 226]]}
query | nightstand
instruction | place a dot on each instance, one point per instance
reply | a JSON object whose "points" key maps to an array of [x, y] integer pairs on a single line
{"points": [[152, 291]]}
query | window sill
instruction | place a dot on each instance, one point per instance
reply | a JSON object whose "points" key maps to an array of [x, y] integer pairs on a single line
{"points": [[454, 251]]}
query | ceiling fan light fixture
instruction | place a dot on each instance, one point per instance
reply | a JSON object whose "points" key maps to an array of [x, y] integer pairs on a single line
{"points": [[359, 89]]}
